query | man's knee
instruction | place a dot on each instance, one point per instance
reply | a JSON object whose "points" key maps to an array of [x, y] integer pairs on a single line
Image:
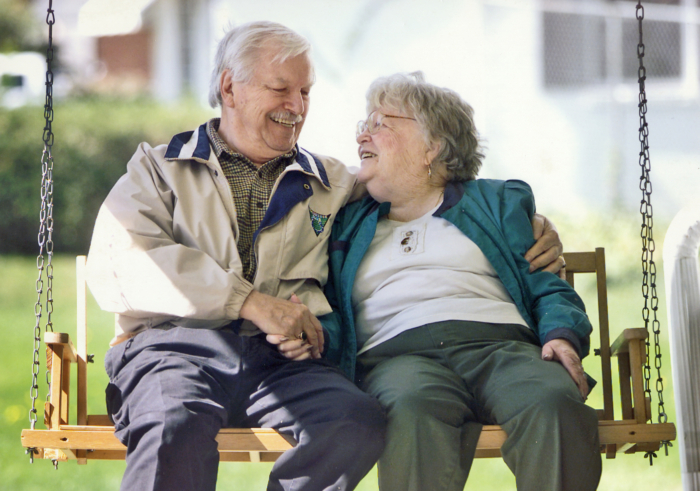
{"points": [[372, 420], [356, 420], [362, 411], [177, 426]]}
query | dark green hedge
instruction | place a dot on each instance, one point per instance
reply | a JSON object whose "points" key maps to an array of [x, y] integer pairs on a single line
{"points": [[94, 139]]}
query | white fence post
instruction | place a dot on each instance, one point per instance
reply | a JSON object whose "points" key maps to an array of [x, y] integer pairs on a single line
{"points": [[680, 255]]}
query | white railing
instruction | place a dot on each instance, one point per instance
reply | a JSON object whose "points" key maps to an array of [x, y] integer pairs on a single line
{"points": [[681, 246]]}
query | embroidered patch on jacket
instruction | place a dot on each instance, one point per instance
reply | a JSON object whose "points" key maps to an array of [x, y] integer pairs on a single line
{"points": [[318, 221]]}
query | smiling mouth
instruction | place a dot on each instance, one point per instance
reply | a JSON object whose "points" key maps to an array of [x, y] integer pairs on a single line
{"points": [[367, 155], [287, 123]]}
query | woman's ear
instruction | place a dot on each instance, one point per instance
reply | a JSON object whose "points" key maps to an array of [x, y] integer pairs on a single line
{"points": [[226, 87], [432, 152]]}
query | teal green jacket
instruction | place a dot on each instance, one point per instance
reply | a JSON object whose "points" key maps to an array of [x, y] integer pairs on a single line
{"points": [[496, 216]]}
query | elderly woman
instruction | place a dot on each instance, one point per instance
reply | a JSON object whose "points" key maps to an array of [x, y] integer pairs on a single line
{"points": [[440, 318]]}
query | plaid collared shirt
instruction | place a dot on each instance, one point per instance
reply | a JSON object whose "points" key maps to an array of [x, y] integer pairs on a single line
{"points": [[251, 187]]}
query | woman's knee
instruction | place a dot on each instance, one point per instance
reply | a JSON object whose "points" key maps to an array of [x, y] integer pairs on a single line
{"points": [[412, 389]]}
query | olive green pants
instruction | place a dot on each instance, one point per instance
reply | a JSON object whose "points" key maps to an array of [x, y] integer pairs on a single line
{"points": [[441, 382]]}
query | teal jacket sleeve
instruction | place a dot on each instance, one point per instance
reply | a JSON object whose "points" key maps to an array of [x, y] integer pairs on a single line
{"points": [[332, 328], [339, 324], [332, 323], [556, 308]]}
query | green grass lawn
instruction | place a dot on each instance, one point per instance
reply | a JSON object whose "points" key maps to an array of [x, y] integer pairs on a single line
{"points": [[17, 299]]}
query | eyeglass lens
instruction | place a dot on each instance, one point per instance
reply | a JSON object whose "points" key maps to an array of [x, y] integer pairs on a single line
{"points": [[371, 124]]}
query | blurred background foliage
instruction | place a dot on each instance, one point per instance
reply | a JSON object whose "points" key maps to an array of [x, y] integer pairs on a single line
{"points": [[19, 30], [94, 139]]}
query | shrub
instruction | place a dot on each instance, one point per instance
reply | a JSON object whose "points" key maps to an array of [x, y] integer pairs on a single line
{"points": [[94, 139]]}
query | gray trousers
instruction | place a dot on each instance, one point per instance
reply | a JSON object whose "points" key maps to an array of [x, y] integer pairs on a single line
{"points": [[172, 390], [441, 382]]}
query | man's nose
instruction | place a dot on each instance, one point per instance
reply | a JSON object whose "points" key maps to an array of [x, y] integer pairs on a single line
{"points": [[295, 103]]}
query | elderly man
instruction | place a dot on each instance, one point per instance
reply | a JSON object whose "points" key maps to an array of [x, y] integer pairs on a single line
{"points": [[206, 246], [199, 249]]}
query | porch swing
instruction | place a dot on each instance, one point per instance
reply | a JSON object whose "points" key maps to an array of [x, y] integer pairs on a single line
{"points": [[92, 436]]}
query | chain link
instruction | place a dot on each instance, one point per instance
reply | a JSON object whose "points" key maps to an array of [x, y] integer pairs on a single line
{"points": [[45, 235], [651, 299]]}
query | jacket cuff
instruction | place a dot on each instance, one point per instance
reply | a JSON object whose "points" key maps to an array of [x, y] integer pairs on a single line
{"points": [[237, 298], [326, 342], [564, 333]]}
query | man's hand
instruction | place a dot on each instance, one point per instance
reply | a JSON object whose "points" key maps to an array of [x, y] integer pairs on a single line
{"points": [[547, 250], [562, 351], [286, 319]]}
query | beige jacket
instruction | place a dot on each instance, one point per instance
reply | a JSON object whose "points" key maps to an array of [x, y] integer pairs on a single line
{"points": [[164, 253]]}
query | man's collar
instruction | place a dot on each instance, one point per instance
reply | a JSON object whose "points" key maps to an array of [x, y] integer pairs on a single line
{"points": [[190, 145], [220, 146], [196, 145], [311, 165]]}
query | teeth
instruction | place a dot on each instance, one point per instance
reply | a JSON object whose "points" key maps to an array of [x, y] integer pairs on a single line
{"points": [[368, 155], [284, 122]]}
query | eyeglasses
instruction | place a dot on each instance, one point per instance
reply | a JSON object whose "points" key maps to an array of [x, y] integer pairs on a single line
{"points": [[374, 122]]}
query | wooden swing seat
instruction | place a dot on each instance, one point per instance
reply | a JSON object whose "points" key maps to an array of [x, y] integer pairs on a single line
{"points": [[93, 435]]}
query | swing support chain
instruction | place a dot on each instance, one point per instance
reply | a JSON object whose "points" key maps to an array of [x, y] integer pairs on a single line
{"points": [[45, 235], [651, 302]]}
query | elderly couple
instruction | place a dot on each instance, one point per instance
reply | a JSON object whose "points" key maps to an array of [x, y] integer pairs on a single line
{"points": [[257, 284]]}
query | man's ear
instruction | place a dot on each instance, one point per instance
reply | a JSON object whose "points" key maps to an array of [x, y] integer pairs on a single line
{"points": [[226, 88]]}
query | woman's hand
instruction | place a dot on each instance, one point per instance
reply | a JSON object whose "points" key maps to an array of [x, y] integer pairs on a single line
{"points": [[547, 251], [294, 349], [563, 351]]}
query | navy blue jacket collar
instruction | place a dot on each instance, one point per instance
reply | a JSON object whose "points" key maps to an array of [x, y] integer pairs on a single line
{"points": [[194, 145]]}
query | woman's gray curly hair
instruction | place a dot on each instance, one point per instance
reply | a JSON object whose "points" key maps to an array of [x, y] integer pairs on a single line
{"points": [[446, 119]]}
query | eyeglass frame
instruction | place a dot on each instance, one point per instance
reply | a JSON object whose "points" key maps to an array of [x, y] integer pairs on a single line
{"points": [[362, 125]]}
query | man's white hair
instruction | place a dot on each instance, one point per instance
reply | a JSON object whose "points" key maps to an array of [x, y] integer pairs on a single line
{"points": [[239, 48]]}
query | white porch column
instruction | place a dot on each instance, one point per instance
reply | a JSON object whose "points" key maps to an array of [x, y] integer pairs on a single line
{"points": [[167, 79], [683, 302]]}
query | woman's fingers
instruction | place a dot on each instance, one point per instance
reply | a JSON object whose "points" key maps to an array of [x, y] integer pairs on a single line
{"points": [[563, 351]]}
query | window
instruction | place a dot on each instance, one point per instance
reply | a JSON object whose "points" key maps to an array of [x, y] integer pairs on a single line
{"points": [[598, 45], [662, 49], [574, 49]]}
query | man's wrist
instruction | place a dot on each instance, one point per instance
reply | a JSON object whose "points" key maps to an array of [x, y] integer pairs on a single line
{"points": [[251, 306]]}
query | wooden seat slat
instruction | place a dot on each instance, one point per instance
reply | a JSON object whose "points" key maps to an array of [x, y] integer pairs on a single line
{"points": [[102, 438], [623, 433]]}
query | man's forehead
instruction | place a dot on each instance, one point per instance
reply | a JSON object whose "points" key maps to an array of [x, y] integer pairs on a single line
{"points": [[268, 70], [286, 81]]}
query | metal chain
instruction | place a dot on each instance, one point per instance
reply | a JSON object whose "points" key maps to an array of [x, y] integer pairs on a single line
{"points": [[45, 236], [651, 302]]}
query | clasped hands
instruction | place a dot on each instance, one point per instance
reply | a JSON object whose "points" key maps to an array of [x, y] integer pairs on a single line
{"points": [[286, 323]]}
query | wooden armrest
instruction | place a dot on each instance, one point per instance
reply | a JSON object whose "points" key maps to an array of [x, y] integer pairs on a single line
{"points": [[621, 344], [52, 339], [629, 349]]}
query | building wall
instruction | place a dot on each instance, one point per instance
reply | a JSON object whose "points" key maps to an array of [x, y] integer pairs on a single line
{"points": [[552, 81]]}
